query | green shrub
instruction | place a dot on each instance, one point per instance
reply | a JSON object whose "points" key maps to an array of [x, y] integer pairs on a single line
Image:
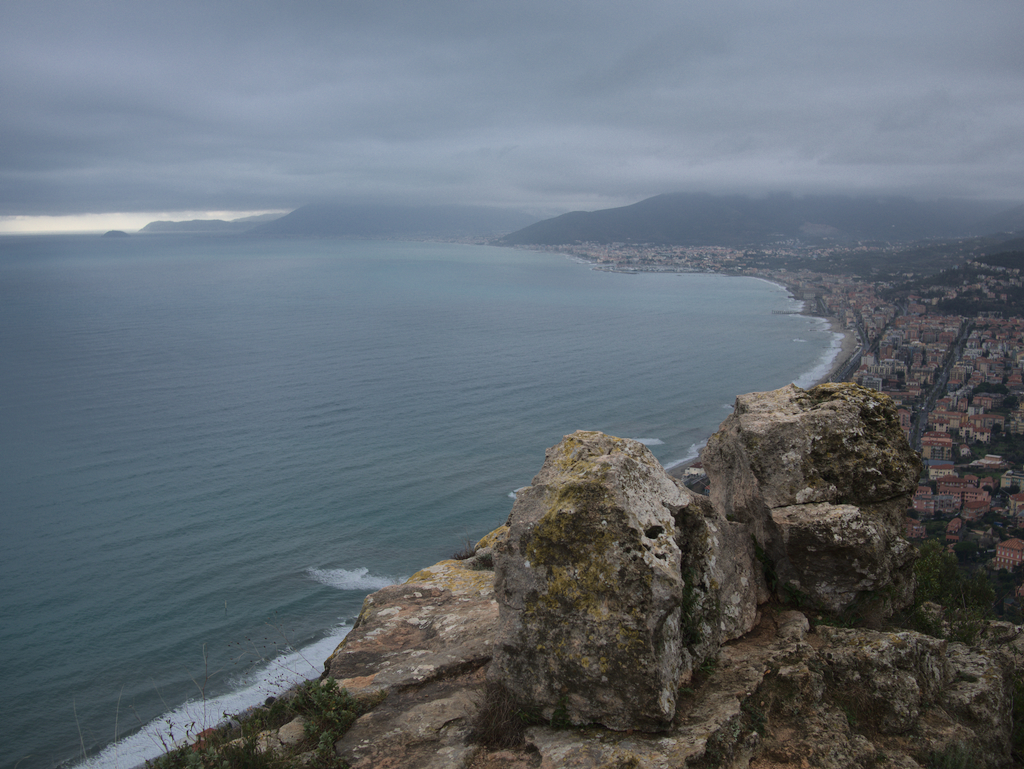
{"points": [[328, 712], [967, 600]]}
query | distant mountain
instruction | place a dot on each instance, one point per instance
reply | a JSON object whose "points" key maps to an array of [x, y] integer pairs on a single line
{"points": [[211, 226], [736, 220], [366, 220], [1011, 220]]}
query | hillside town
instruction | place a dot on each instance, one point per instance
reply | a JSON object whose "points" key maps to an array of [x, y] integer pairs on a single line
{"points": [[957, 380]]}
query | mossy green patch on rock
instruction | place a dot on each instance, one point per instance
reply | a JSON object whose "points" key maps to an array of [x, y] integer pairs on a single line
{"points": [[493, 538], [788, 462], [589, 586], [870, 460], [455, 576]]}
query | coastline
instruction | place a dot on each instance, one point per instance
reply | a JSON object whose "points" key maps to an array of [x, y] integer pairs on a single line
{"points": [[848, 347], [844, 351], [839, 354]]}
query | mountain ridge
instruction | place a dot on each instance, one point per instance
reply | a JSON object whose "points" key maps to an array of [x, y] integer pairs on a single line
{"points": [[369, 220], [702, 219], [211, 226]]}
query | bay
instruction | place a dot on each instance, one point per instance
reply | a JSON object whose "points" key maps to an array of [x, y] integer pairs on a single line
{"points": [[213, 448]]}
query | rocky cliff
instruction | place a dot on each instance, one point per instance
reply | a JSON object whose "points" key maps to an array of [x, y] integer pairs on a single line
{"points": [[618, 620]]}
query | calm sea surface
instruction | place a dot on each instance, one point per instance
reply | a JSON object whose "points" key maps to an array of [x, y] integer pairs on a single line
{"points": [[211, 449]]}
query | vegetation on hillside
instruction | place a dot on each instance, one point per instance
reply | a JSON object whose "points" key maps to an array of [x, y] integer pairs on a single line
{"points": [[327, 711]]}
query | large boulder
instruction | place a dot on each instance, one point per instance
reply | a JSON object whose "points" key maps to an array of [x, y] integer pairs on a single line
{"points": [[821, 478], [590, 589]]}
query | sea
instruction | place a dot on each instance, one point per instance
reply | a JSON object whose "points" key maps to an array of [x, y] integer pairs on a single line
{"points": [[213, 448]]}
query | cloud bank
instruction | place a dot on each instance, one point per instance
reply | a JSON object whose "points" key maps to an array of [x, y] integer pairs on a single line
{"points": [[134, 107]]}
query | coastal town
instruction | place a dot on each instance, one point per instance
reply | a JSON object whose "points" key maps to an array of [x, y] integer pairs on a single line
{"points": [[956, 379]]}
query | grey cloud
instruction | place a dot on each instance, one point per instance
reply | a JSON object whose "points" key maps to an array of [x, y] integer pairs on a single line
{"points": [[130, 106]]}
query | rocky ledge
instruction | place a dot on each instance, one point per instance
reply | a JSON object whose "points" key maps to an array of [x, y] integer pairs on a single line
{"points": [[618, 620]]}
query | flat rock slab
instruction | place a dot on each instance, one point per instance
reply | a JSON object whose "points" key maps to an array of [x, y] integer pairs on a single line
{"points": [[441, 622], [426, 727]]}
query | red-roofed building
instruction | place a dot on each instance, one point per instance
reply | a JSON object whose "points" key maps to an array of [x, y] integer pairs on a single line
{"points": [[974, 510], [1009, 554], [915, 529], [941, 470], [905, 420], [952, 484], [923, 502], [974, 494], [1016, 503], [937, 446], [955, 531]]}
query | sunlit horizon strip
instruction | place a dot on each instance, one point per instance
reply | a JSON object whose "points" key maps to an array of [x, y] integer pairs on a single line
{"points": [[99, 223]]}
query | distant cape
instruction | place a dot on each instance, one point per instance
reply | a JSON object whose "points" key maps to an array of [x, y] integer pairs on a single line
{"points": [[367, 220], [736, 220], [210, 226]]}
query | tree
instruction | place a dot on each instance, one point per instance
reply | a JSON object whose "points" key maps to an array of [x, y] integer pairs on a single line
{"points": [[966, 601], [965, 551]]}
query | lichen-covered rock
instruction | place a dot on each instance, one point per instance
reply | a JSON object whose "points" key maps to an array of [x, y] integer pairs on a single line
{"points": [[891, 677], [843, 559], [821, 478], [724, 582], [589, 587], [837, 442], [980, 696], [423, 727], [613, 583]]}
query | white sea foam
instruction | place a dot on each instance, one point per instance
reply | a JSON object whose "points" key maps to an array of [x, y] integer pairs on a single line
{"points": [[350, 579], [824, 365], [800, 340], [186, 721], [691, 453], [649, 441], [512, 494]]}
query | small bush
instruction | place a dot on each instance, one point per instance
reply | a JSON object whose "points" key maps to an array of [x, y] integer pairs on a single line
{"points": [[967, 601], [485, 561], [502, 722], [328, 712], [465, 553]]}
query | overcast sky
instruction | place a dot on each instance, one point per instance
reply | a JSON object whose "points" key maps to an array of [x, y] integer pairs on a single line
{"points": [[548, 106]]}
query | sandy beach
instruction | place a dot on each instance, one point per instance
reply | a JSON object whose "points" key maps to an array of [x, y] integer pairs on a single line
{"points": [[848, 348]]}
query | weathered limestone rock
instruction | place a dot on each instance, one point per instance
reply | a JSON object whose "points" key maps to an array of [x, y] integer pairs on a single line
{"points": [[891, 676], [424, 644], [440, 621], [724, 582], [821, 478], [622, 601], [427, 727], [980, 695], [590, 588]]}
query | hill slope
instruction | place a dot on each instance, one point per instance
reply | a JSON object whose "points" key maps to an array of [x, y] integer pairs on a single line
{"points": [[210, 226], [735, 220], [367, 220]]}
